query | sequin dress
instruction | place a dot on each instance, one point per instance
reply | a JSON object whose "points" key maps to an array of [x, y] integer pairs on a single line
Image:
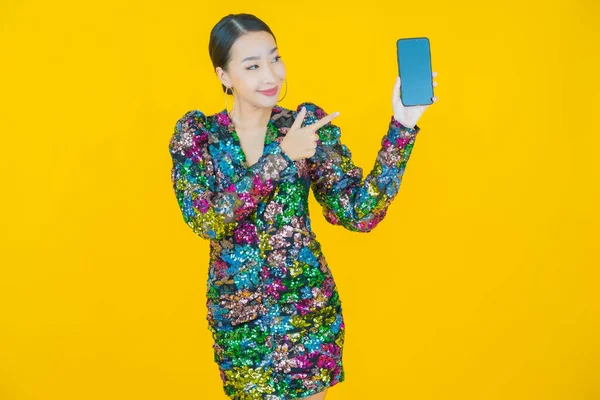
{"points": [[273, 306]]}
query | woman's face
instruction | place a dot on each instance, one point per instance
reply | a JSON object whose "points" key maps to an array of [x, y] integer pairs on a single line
{"points": [[254, 66]]}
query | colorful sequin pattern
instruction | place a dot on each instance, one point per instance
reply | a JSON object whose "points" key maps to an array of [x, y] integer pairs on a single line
{"points": [[273, 306]]}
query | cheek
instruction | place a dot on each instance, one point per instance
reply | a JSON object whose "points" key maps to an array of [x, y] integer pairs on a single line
{"points": [[280, 70], [249, 82]]}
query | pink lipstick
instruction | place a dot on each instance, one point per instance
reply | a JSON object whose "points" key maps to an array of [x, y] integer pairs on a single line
{"points": [[270, 92]]}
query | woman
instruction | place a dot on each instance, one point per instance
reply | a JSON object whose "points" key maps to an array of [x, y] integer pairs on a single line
{"points": [[242, 179]]}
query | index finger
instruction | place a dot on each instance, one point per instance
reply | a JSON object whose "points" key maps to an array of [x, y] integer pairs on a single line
{"points": [[299, 119], [324, 120]]}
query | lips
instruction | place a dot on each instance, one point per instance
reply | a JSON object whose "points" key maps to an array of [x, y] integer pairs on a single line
{"points": [[269, 92]]}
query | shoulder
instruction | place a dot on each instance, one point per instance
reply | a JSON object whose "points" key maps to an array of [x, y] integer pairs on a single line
{"points": [[314, 112], [193, 119], [327, 133], [190, 132], [312, 108]]}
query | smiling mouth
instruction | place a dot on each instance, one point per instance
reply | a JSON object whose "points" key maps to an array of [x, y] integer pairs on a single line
{"points": [[272, 90]]}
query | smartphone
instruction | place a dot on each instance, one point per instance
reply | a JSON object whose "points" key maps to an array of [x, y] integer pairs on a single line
{"points": [[414, 69]]}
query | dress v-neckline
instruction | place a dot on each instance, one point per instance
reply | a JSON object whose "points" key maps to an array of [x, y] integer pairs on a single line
{"points": [[270, 135]]}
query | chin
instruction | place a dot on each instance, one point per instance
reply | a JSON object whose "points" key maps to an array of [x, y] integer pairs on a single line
{"points": [[267, 102]]}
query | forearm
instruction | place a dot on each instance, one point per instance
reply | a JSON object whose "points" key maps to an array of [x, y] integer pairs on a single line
{"points": [[357, 204]]}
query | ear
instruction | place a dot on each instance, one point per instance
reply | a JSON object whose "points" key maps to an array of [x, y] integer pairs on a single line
{"points": [[223, 76]]}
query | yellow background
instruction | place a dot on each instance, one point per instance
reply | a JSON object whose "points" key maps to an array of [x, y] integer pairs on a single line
{"points": [[481, 283]]}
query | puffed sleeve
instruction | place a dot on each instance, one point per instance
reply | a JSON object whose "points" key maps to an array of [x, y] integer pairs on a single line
{"points": [[348, 200], [212, 214]]}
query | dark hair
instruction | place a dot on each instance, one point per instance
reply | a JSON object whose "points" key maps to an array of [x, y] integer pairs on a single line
{"points": [[226, 32]]}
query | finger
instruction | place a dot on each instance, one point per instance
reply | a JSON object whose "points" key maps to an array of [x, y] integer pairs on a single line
{"points": [[434, 74], [324, 120], [434, 83], [299, 119]]}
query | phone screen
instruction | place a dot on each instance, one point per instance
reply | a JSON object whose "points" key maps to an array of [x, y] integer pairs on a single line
{"points": [[414, 68]]}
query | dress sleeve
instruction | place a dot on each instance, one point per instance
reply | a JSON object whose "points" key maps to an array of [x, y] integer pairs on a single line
{"points": [[348, 200], [212, 214]]}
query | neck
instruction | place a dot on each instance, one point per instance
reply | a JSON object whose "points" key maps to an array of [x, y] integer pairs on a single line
{"points": [[250, 117]]}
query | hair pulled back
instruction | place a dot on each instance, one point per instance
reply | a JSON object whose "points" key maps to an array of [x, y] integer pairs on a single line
{"points": [[224, 34]]}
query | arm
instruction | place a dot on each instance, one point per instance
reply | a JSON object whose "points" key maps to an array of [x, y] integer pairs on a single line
{"points": [[348, 200], [211, 214]]}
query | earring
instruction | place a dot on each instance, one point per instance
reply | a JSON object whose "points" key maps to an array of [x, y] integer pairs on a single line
{"points": [[286, 88], [226, 93]]}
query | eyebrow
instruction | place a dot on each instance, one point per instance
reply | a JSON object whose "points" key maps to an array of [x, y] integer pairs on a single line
{"points": [[258, 57]]}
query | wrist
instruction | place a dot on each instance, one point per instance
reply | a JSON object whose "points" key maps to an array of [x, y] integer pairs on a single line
{"points": [[282, 145], [400, 124]]}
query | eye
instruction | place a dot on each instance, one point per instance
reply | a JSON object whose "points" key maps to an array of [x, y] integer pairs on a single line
{"points": [[250, 67]]}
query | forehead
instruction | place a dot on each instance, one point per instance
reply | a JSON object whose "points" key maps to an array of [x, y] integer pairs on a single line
{"points": [[252, 44]]}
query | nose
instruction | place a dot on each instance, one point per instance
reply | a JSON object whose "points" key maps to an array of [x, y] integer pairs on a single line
{"points": [[269, 75]]}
